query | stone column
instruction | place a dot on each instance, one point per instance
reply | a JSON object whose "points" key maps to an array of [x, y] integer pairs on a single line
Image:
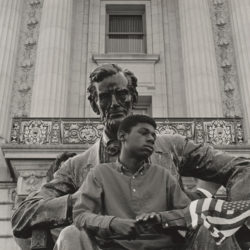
{"points": [[241, 25], [10, 16], [199, 62], [49, 94]]}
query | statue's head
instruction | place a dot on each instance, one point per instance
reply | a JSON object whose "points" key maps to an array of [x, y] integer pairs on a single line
{"points": [[112, 93]]}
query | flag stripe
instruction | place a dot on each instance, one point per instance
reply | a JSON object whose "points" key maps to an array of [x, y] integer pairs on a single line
{"points": [[194, 216], [206, 204], [218, 206], [228, 233], [220, 220]]}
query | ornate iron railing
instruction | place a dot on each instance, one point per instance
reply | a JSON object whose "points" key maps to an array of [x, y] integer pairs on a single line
{"points": [[216, 131]]}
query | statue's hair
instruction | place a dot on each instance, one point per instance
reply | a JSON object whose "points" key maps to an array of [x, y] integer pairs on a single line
{"points": [[105, 71]]}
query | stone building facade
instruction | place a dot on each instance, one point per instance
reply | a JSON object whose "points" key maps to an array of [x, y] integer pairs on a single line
{"points": [[191, 57]]}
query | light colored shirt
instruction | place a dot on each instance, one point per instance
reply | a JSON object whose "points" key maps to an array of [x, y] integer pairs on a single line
{"points": [[110, 191]]}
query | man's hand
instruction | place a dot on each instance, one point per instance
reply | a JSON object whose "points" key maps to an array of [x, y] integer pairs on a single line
{"points": [[152, 218], [148, 222], [125, 227]]}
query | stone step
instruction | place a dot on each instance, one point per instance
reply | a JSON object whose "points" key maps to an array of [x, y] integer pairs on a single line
{"points": [[5, 227], [4, 194], [8, 244], [5, 210]]}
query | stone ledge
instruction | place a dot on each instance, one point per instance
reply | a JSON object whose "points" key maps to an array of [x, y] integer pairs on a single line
{"points": [[34, 159], [120, 58], [34, 151]]}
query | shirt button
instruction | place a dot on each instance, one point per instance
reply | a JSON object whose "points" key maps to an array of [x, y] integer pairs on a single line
{"points": [[133, 177], [134, 190], [166, 224]]}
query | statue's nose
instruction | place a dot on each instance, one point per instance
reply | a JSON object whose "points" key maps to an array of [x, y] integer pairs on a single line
{"points": [[114, 101]]}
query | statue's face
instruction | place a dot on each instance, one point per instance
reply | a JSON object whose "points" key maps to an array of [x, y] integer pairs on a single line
{"points": [[113, 99]]}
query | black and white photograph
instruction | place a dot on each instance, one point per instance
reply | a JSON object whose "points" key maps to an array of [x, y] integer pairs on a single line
{"points": [[124, 124]]}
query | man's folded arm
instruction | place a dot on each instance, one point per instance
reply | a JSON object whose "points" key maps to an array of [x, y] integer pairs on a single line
{"points": [[178, 202], [88, 207]]}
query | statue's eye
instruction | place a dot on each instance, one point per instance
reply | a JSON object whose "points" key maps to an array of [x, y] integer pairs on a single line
{"points": [[104, 96], [122, 93]]}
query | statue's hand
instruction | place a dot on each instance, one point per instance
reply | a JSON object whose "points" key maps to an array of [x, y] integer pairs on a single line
{"points": [[73, 198]]}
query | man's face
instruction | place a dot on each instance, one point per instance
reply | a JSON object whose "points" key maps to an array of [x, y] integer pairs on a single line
{"points": [[113, 99], [140, 140]]}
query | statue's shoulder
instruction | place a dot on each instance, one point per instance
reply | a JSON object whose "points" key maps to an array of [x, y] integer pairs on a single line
{"points": [[82, 161], [80, 165], [168, 140], [88, 157]]}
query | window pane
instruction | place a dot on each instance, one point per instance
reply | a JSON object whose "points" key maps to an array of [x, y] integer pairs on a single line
{"points": [[125, 23], [126, 43]]}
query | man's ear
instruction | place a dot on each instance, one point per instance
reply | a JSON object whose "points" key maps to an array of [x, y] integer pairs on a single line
{"points": [[121, 136]]}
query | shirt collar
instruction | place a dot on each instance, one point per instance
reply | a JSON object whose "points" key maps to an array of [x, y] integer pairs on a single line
{"points": [[124, 169]]}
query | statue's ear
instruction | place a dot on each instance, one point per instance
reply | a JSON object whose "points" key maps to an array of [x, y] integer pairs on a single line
{"points": [[94, 107], [91, 97]]}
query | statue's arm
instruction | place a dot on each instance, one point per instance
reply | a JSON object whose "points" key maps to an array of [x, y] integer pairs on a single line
{"points": [[208, 164], [49, 207]]}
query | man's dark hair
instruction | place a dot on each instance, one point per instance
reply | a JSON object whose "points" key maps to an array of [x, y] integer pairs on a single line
{"points": [[131, 121], [105, 71]]}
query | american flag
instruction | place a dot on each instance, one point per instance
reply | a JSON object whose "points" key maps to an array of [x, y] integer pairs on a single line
{"points": [[221, 218]]}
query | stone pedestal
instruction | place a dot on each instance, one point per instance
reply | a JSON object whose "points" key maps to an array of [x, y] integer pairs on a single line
{"points": [[49, 94], [29, 164], [199, 61]]}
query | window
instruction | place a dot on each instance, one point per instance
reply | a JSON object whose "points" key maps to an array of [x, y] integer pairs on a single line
{"points": [[125, 29], [143, 106]]}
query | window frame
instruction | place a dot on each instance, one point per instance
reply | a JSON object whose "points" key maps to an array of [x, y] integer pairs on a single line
{"points": [[117, 10]]}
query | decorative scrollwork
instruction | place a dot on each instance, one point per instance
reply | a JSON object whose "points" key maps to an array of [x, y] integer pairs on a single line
{"points": [[220, 132], [225, 55], [36, 132], [86, 131], [239, 132], [199, 132], [15, 132], [24, 75], [182, 128], [31, 181], [80, 133]]}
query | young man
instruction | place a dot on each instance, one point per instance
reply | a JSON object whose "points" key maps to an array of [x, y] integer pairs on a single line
{"points": [[123, 200]]}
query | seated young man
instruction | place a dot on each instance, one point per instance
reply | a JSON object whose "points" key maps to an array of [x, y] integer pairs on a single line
{"points": [[125, 204]]}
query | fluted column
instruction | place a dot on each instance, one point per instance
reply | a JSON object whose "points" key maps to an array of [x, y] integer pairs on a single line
{"points": [[10, 15], [49, 94], [199, 61], [241, 25]]}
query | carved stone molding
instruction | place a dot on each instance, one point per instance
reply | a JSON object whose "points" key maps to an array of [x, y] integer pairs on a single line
{"points": [[30, 181], [225, 55], [81, 132], [24, 75], [37, 131]]}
